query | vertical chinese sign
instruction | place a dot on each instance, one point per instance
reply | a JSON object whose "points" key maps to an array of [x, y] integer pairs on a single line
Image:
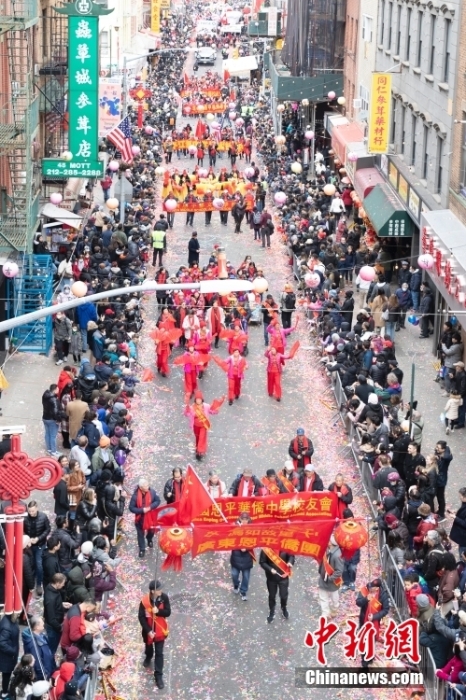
{"points": [[380, 113], [83, 91], [155, 16], [81, 159]]}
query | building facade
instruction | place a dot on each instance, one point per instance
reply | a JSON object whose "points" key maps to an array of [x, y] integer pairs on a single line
{"points": [[457, 191]]}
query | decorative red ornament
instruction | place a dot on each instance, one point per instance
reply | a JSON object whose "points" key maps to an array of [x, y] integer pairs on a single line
{"points": [[139, 94], [19, 475], [175, 542], [350, 536]]}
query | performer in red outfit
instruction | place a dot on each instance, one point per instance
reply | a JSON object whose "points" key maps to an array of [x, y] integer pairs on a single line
{"points": [[215, 317], [276, 362], [202, 344], [191, 360], [198, 413], [234, 366]]}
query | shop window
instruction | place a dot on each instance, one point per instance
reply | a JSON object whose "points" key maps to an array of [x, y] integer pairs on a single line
{"points": [[425, 152], [408, 34], [364, 97]]}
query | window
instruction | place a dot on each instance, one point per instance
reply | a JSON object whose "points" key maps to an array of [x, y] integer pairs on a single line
{"points": [[413, 139], [393, 124], [463, 159], [439, 164], [419, 39], [364, 97], [408, 34], [403, 129], [356, 32], [382, 21], [398, 36], [390, 19], [104, 44], [446, 43], [425, 152], [433, 25], [367, 28]]}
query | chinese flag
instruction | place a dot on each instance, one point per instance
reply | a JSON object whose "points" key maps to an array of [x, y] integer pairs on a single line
{"points": [[194, 500]]}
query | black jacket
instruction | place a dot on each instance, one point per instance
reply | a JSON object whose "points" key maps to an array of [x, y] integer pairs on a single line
{"points": [[318, 484], [432, 563], [37, 527], [268, 565], [362, 602], [84, 512], [380, 479], [168, 488], [54, 612], [410, 465], [165, 611], [307, 453], [458, 529], [235, 485], [443, 462], [241, 559], [50, 406], [411, 516], [60, 495], [68, 544], [427, 486], [50, 566], [28, 570], [400, 450], [9, 644], [363, 391], [155, 502]]}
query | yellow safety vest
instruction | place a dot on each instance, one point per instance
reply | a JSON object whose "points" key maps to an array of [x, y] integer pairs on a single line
{"points": [[157, 239]]}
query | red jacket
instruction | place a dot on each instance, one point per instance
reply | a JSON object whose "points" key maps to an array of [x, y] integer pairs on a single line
{"points": [[422, 530], [73, 627]]}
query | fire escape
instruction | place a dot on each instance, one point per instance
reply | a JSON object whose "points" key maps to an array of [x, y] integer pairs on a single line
{"points": [[19, 122]]}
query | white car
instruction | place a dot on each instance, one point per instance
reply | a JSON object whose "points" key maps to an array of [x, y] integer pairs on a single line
{"points": [[206, 56]]}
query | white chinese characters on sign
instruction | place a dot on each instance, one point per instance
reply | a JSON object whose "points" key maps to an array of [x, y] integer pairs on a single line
{"points": [[82, 77], [84, 124], [83, 53], [84, 30], [83, 101], [84, 149]]}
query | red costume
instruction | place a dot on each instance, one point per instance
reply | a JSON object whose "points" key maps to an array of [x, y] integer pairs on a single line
{"points": [[274, 374], [198, 416], [234, 366]]}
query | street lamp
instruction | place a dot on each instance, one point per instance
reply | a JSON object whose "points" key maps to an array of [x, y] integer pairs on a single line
{"points": [[205, 287]]}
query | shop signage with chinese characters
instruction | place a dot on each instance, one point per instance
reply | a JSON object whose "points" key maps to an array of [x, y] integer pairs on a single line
{"points": [[155, 16], [83, 93], [379, 113]]}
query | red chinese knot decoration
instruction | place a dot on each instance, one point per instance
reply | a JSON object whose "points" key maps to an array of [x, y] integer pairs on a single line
{"points": [[175, 542]]}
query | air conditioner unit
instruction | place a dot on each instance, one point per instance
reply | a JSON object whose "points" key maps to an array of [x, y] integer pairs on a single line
{"points": [[357, 104]]}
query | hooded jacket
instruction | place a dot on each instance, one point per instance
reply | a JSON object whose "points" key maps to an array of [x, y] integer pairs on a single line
{"points": [[38, 646], [64, 674], [76, 589]]}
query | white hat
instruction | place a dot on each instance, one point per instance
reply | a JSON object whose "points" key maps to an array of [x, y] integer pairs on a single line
{"points": [[289, 465], [39, 688]]}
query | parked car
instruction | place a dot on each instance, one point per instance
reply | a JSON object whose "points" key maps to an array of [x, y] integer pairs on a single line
{"points": [[206, 56]]}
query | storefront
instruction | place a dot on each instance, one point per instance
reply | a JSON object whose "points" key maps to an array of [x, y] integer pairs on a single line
{"points": [[444, 237]]}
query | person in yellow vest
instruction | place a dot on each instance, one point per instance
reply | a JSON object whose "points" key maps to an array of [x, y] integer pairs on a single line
{"points": [[159, 243], [278, 567], [330, 579], [154, 609]]}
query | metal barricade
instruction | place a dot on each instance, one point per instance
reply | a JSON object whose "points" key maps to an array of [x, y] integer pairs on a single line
{"points": [[296, 267], [91, 685], [395, 584], [434, 689]]}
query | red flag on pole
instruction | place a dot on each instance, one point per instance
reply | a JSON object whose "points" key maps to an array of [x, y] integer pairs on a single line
{"points": [[194, 500]]}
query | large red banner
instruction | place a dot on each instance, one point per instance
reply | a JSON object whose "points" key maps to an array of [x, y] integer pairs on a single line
{"points": [[201, 108], [208, 92], [315, 505], [305, 539]]}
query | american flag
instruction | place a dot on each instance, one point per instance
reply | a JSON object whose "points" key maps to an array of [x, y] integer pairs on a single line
{"points": [[53, 119], [120, 136]]}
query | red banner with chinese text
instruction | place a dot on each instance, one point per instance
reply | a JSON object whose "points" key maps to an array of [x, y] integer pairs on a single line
{"points": [[200, 108], [304, 539], [207, 92], [315, 505]]}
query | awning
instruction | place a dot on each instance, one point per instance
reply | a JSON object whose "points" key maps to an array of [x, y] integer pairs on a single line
{"points": [[332, 120], [241, 66], [345, 134], [365, 180], [62, 215], [387, 214]]}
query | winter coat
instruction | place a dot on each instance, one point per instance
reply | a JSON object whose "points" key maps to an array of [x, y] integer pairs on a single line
{"points": [[38, 646], [85, 313], [362, 602], [411, 516], [335, 560], [411, 463], [84, 513], [9, 644], [235, 485], [241, 559], [443, 462], [452, 407], [415, 281], [62, 328], [447, 584], [37, 527], [318, 484], [426, 307], [76, 588], [68, 544], [268, 565], [458, 529], [50, 566], [452, 354], [76, 343], [50, 406], [426, 524], [381, 480], [432, 564], [138, 512], [28, 569], [54, 612]]}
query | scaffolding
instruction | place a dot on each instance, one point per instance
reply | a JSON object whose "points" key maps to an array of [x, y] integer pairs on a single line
{"points": [[31, 290], [19, 122]]}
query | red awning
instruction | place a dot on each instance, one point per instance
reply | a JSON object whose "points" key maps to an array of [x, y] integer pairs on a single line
{"points": [[366, 179], [343, 135]]}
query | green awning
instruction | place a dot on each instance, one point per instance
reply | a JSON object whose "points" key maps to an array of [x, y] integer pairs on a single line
{"points": [[387, 214]]}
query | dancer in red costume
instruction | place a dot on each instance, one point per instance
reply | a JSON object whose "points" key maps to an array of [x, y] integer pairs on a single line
{"points": [[191, 361], [202, 344], [198, 413], [275, 364], [164, 339], [234, 366]]}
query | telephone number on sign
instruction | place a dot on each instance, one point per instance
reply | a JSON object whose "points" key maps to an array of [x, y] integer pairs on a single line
{"points": [[77, 173]]}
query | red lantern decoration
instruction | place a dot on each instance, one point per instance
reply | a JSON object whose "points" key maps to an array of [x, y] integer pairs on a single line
{"points": [[175, 542], [350, 536]]}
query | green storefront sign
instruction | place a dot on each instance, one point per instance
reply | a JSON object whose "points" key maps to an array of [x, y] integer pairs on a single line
{"points": [[387, 214], [83, 93]]}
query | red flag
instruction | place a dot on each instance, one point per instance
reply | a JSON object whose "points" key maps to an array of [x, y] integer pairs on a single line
{"points": [[195, 498], [226, 76]]}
